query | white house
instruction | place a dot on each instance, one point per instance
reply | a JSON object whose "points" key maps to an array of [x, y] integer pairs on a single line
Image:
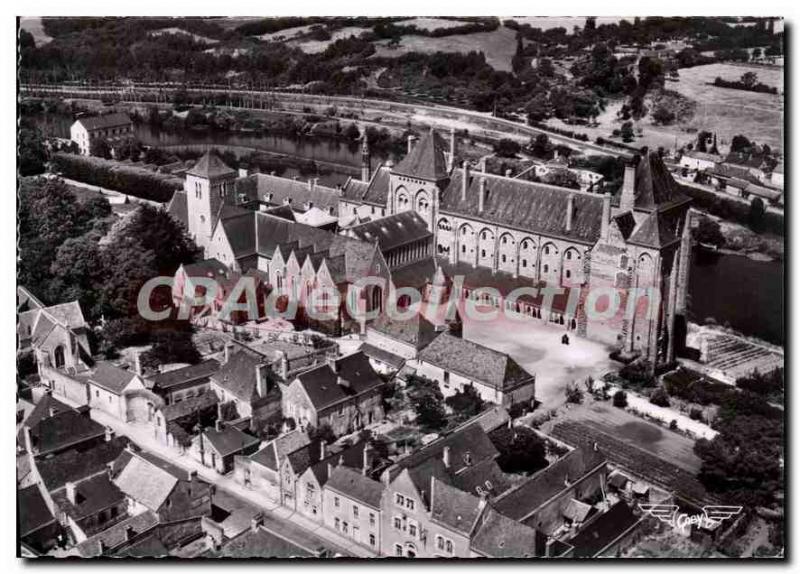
{"points": [[108, 386], [108, 126], [698, 161]]}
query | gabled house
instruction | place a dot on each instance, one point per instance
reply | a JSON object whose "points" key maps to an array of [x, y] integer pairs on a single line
{"points": [[455, 363], [37, 527], [108, 388], [175, 425], [390, 343], [217, 447], [344, 393], [245, 380], [118, 536], [53, 427], [110, 127], [352, 506], [90, 506], [261, 470], [184, 383]]}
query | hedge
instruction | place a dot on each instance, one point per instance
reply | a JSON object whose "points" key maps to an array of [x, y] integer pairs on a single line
{"points": [[109, 174]]}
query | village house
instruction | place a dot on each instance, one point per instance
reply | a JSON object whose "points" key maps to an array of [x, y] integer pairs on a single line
{"points": [[175, 425], [389, 343], [90, 506], [184, 383], [110, 127], [152, 484], [217, 447], [38, 528], [695, 161], [53, 427], [351, 505], [455, 363], [246, 381], [117, 537], [113, 390], [344, 394]]}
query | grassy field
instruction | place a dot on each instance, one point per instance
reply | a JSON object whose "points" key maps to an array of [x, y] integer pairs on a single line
{"points": [[430, 23], [317, 46], [498, 46]]}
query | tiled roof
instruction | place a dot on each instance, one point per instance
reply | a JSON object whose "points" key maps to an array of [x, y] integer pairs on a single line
{"points": [[277, 190], [500, 537], [529, 496], [148, 547], [417, 331], [145, 483], [33, 512], [178, 208], [199, 372], [206, 268], [355, 486], [273, 453], [74, 465], [377, 354], [626, 223], [189, 406], [354, 189], [392, 231], [91, 496], [323, 385], [453, 507], [111, 378], [105, 121], [261, 544], [417, 274], [654, 186], [64, 429], [238, 375], [535, 207], [117, 534], [603, 530], [475, 361], [703, 156], [210, 166], [229, 440], [426, 160], [378, 191]]}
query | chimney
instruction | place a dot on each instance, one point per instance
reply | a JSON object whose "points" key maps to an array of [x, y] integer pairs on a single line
{"points": [[261, 380], [410, 141], [323, 450], [256, 521], [367, 462], [228, 347], [192, 475], [109, 434], [71, 491], [548, 548], [243, 172], [605, 224], [219, 424], [129, 533], [51, 412], [628, 188], [446, 456], [465, 180], [137, 363], [570, 211], [283, 365], [331, 360], [483, 165], [482, 196], [452, 159], [508, 172]]}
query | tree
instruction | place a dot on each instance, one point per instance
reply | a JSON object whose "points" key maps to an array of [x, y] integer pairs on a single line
{"points": [[540, 146], [521, 450], [155, 230], [755, 217], [323, 433], [466, 403], [663, 114], [626, 132], [708, 232], [573, 393], [228, 411], [99, 147], [659, 397], [638, 373], [31, 155], [620, 399], [77, 272], [171, 346], [562, 178], [427, 401], [740, 144], [506, 148], [749, 79]]}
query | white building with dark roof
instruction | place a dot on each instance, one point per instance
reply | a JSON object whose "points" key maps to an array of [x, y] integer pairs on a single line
{"points": [[108, 126]]}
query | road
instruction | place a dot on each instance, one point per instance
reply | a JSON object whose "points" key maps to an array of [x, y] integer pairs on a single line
{"points": [[272, 511], [439, 114], [107, 193]]}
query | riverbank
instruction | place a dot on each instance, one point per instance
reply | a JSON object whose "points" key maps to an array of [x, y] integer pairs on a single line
{"points": [[741, 240]]}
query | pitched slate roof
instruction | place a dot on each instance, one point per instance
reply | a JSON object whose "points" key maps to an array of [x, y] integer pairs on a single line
{"points": [[323, 385], [453, 507], [178, 208], [475, 361], [62, 430], [426, 159], [603, 530], [498, 536], [354, 189], [529, 206], [523, 500], [417, 274], [655, 231], [117, 535], [392, 231], [105, 121], [33, 512], [238, 375], [378, 354], [200, 372], [111, 378], [273, 453], [145, 482], [148, 547], [377, 192], [417, 331], [210, 166], [261, 543], [189, 406], [351, 456], [74, 465], [654, 187], [355, 486], [91, 496], [229, 440], [277, 190]]}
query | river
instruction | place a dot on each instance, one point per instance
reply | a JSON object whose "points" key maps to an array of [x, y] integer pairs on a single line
{"points": [[744, 294]]}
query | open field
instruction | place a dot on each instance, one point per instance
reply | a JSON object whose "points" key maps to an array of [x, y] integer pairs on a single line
{"points": [[317, 46], [431, 23], [182, 32], [498, 46]]}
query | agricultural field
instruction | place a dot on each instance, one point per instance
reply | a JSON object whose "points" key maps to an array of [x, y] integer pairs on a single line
{"points": [[317, 46], [182, 32], [498, 46], [431, 23]]}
